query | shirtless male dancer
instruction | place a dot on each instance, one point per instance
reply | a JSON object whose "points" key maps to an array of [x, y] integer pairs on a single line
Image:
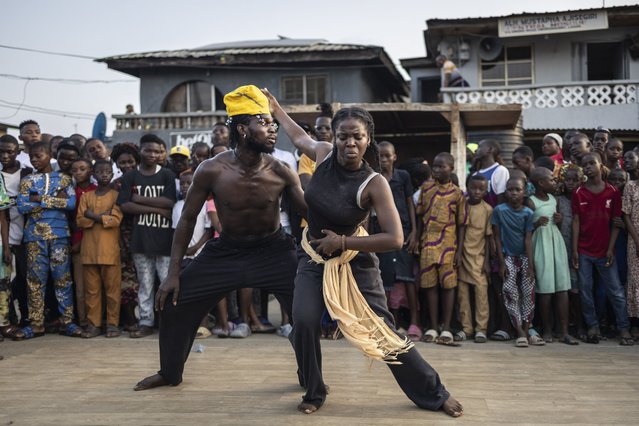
{"points": [[252, 251]]}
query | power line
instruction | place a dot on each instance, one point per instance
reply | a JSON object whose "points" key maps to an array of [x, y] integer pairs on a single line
{"points": [[31, 108], [47, 52], [64, 80], [21, 104]]}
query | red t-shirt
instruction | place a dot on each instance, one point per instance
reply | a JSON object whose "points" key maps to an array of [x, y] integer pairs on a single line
{"points": [[595, 218]]}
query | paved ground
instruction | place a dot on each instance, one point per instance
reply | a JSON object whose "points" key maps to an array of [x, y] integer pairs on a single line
{"points": [[64, 381]]}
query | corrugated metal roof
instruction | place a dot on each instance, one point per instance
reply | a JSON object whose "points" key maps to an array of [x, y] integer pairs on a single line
{"points": [[286, 46], [280, 42]]}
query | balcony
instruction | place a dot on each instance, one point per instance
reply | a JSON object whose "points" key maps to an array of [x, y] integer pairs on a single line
{"points": [[581, 105], [175, 128], [168, 120]]}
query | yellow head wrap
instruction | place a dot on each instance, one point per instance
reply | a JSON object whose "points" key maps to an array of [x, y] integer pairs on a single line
{"points": [[246, 100]]}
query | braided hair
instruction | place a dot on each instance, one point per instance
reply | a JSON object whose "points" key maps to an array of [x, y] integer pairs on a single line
{"points": [[233, 122], [372, 150]]}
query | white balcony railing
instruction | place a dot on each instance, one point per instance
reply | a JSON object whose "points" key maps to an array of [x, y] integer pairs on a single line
{"points": [[169, 120], [574, 94]]}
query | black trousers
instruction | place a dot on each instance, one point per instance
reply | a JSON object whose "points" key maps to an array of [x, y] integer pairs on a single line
{"points": [[222, 266], [419, 381]]}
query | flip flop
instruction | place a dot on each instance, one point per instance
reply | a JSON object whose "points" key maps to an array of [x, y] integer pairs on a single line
{"points": [[430, 336], [521, 342], [446, 338]]}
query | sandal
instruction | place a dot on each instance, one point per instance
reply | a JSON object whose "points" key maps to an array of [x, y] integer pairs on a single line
{"points": [[461, 336], [480, 337], [112, 331], [626, 341], [414, 333], [535, 340], [71, 330], [569, 340], [91, 331], [202, 333], [430, 336], [263, 329], [141, 331], [8, 330], [521, 342], [446, 338], [500, 336], [26, 333]]}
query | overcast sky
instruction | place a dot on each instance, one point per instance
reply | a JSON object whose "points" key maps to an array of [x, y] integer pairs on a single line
{"points": [[99, 29]]}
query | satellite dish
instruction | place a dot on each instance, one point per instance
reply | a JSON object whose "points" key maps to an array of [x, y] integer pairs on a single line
{"points": [[490, 48], [99, 127]]}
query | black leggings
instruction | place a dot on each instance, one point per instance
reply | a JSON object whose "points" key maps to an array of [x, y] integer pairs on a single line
{"points": [[419, 381], [222, 266]]}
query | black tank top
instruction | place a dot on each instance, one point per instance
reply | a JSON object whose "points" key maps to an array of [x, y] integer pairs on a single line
{"points": [[332, 197]]}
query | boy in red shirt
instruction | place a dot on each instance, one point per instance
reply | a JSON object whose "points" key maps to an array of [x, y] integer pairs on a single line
{"points": [[594, 205]]}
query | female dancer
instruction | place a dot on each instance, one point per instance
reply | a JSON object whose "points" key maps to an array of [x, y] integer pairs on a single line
{"points": [[342, 191]]}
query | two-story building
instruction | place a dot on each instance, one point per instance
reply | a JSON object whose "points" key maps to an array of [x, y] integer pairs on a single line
{"points": [[181, 91], [569, 70]]}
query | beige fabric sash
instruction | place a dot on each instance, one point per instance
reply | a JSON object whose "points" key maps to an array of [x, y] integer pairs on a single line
{"points": [[345, 303]]}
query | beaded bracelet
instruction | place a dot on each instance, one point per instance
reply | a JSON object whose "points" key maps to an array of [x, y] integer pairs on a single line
{"points": [[343, 243]]}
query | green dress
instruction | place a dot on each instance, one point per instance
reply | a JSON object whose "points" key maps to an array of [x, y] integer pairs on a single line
{"points": [[549, 250]]}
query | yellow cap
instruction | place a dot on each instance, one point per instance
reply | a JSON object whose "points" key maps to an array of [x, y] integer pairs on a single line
{"points": [[246, 100], [180, 150]]}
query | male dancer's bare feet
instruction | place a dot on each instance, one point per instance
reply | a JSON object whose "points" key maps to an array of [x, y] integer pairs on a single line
{"points": [[452, 407], [150, 382]]}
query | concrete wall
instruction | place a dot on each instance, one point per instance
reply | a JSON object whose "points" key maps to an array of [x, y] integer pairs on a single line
{"points": [[344, 85], [557, 58], [552, 55]]}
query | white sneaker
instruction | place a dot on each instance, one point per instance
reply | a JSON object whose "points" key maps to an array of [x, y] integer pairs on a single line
{"points": [[285, 330], [241, 331]]}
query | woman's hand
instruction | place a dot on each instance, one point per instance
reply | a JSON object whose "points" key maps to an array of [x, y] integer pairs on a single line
{"points": [[273, 104], [327, 245]]}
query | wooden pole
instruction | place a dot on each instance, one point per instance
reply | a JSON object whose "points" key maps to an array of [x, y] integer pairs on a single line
{"points": [[458, 144]]}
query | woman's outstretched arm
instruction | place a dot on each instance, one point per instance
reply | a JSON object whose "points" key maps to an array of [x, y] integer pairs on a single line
{"points": [[315, 150]]}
